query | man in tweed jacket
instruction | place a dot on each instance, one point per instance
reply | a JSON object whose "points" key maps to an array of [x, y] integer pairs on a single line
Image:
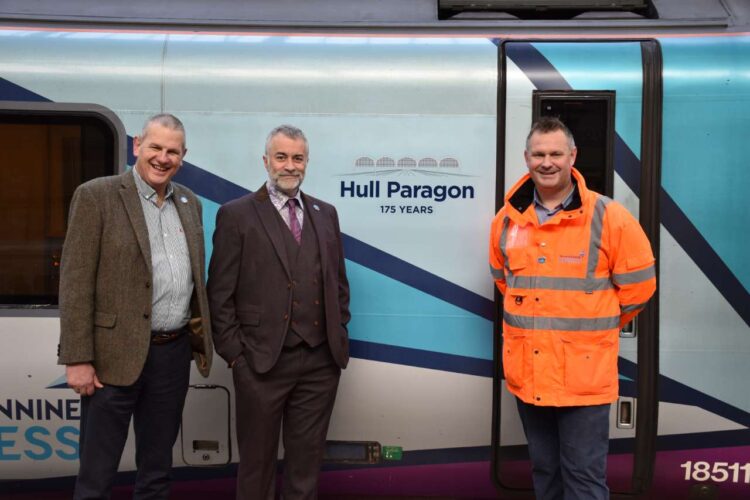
{"points": [[133, 308]]}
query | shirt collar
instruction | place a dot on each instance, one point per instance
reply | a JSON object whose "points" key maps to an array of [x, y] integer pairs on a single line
{"points": [[564, 204], [279, 199], [146, 191]]}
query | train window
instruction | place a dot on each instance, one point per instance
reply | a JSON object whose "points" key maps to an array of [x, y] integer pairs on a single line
{"points": [[590, 115], [45, 156]]}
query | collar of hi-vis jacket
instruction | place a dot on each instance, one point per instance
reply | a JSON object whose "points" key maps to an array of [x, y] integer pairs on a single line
{"points": [[520, 200]]}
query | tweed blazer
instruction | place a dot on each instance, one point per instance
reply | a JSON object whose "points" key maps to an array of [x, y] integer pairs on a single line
{"points": [[250, 284], [106, 279]]}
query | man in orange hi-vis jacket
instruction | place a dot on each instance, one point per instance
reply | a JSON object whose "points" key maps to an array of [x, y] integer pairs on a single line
{"points": [[573, 267]]}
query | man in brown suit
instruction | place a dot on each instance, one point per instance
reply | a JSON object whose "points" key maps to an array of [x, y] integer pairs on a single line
{"points": [[279, 300], [133, 308]]}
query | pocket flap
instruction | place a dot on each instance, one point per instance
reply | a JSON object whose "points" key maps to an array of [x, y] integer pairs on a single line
{"points": [[517, 259], [248, 318], [104, 319]]}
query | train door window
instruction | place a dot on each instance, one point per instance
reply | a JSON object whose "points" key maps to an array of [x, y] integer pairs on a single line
{"points": [[590, 116], [43, 158]]}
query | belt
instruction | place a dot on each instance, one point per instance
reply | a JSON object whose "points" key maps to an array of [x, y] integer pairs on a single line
{"points": [[159, 338]]}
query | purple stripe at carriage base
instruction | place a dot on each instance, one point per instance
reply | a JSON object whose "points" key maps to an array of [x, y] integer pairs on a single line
{"points": [[471, 480]]}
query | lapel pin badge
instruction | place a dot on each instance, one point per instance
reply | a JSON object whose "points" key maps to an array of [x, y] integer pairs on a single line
{"points": [[183, 199], [316, 207]]}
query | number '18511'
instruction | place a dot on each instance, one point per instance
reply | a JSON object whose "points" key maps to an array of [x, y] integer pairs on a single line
{"points": [[718, 472]]}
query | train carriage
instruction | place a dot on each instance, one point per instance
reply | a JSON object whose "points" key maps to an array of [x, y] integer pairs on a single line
{"points": [[417, 119]]}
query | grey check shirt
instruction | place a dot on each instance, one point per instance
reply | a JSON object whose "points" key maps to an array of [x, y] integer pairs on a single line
{"points": [[170, 260]]}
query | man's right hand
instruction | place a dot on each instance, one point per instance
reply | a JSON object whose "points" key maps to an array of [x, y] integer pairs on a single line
{"points": [[82, 378]]}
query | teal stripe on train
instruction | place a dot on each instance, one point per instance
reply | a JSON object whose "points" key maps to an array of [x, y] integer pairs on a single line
{"points": [[706, 133], [605, 66], [386, 311]]}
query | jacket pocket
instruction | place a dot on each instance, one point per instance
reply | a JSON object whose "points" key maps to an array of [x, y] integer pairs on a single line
{"points": [[590, 365], [249, 318], [518, 259], [104, 319], [514, 353]]}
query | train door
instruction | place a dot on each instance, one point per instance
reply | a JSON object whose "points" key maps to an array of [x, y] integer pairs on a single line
{"points": [[609, 95]]}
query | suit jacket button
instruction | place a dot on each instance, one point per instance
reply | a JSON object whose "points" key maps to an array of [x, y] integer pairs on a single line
{"points": [[146, 315], [148, 285], [286, 316]]}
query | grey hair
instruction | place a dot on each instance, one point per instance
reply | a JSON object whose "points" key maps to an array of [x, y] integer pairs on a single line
{"points": [[166, 120], [289, 131], [548, 124]]}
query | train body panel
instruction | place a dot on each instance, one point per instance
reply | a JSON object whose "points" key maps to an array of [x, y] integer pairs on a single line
{"points": [[405, 141]]}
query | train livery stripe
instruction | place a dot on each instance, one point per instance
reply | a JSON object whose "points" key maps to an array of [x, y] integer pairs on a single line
{"points": [[415, 277], [9, 91], [546, 77], [423, 359], [672, 391]]}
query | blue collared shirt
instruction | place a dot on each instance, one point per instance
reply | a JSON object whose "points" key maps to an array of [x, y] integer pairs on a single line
{"points": [[543, 214]]}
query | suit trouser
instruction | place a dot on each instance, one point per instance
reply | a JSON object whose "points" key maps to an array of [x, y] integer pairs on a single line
{"points": [[155, 402], [568, 446], [297, 393]]}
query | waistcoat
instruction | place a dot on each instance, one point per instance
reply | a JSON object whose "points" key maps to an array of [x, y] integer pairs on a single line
{"points": [[307, 322]]}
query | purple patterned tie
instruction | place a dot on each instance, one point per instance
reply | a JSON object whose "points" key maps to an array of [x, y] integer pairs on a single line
{"points": [[293, 221]]}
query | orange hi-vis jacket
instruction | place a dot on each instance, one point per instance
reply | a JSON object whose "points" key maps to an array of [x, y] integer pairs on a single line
{"points": [[568, 287]]}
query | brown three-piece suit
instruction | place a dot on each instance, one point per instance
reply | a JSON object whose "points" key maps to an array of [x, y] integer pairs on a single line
{"points": [[279, 312]]}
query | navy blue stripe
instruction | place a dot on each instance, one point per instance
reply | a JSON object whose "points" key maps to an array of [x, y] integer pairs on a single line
{"points": [[536, 67], [9, 91], [701, 251], [419, 358], [208, 185], [544, 76], [411, 275], [201, 182], [672, 391]]}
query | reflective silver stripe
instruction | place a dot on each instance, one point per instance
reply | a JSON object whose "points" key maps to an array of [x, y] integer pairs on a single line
{"points": [[563, 324], [503, 237], [632, 307], [568, 284], [635, 276], [595, 241], [498, 274], [502, 243]]}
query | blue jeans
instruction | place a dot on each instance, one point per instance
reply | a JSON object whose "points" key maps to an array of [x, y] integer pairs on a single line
{"points": [[568, 447]]}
